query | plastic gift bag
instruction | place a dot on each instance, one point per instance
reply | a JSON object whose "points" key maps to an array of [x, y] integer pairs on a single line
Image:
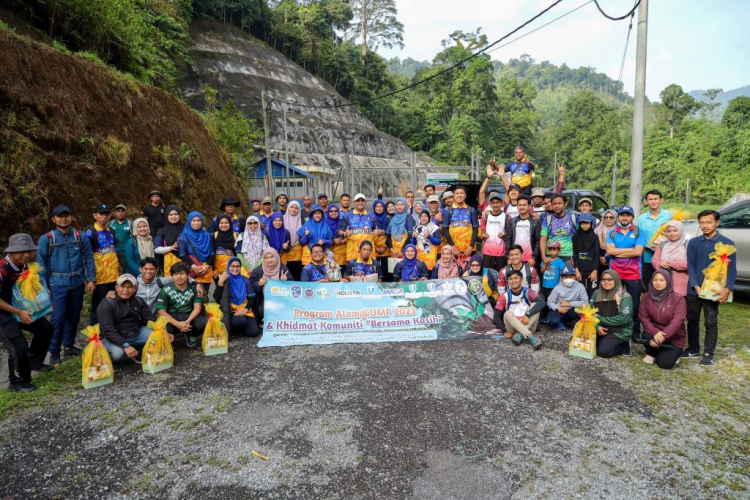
{"points": [[659, 237], [583, 343], [715, 275], [215, 337], [31, 294], [96, 364], [157, 354]]}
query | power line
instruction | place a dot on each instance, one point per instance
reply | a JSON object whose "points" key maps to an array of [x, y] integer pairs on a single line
{"points": [[613, 18]]}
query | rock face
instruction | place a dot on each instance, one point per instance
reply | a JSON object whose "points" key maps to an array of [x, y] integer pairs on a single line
{"points": [[240, 68]]}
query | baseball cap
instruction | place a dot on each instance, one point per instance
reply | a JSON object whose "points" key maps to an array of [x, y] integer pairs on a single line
{"points": [[585, 199], [537, 192], [61, 209], [626, 210], [322, 195], [102, 209], [360, 196], [433, 197], [586, 218], [267, 199], [121, 206], [496, 196], [554, 244], [155, 192], [516, 187], [567, 270], [127, 277]]}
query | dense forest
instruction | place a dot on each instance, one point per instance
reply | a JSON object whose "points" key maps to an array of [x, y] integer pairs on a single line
{"points": [[484, 105]]}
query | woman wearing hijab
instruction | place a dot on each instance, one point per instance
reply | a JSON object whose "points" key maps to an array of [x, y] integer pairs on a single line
{"points": [[398, 233], [417, 209], [662, 313], [476, 268], [410, 268], [586, 252], [292, 222], [380, 241], [315, 230], [390, 210], [426, 237], [140, 246], [447, 266], [615, 315], [609, 222], [166, 240], [277, 235], [672, 256], [195, 249], [251, 243], [224, 241], [270, 269], [236, 294], [333, 219]]}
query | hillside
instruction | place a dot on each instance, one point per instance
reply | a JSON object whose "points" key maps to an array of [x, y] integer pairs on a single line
{"points": [[722, 99]]}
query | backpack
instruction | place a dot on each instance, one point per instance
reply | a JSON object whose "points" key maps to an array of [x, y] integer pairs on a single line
{"points": [[572, 216], [524, 296], [77, 238], [526, 271], [635, 232]]}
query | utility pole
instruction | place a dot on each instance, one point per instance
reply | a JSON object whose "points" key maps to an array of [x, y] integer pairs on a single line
{"points": [[639, 111], [687, 193], [269, 168], [478, 171], [554, 173], [286, 156], [413, 179], [614, 183]]}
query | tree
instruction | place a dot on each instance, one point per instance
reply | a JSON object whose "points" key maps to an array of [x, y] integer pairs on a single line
{"points": [[737, 115], [709, 104], [376, 23], [676, 105]]}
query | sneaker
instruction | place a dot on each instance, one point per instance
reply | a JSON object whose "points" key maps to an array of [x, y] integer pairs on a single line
{"points": [[116, 366], [649, 360], [42, 368], [517, 338], [707, 359], [192, 341], [690, 354], [543, 321], [536, 343], [627, 350], [54, 359], [72, 351], [21, 386], [560, 327]]}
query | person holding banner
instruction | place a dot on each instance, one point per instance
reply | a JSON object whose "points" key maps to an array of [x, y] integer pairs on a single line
{"points": [[426, 237], [364, 267], [460, 226], [166, 242], [334, 221], [317, 270], [315, 231], [447, 266], [292, 222], [270, 269], [236, 300], [411, 268], [517, 311], [359, 226], [252, 242], [488, 278]]}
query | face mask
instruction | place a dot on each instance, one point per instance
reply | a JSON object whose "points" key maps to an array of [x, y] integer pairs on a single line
{"points": [[568, 282]]}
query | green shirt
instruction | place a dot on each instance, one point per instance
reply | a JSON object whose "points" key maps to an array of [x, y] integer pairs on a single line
{"points": [[176, 301], [122, 233]]}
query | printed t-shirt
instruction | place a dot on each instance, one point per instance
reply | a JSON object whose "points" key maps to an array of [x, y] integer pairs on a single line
{"points": [[520, 173], [494, 227], [522, 237], [105, 254], [551, 277], [176, 301], [122, 234], [462, 221], [629, 268], [560, 229], [361, 226]]}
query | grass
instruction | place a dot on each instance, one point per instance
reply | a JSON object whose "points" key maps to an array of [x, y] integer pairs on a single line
{"points": [[61, 382]]}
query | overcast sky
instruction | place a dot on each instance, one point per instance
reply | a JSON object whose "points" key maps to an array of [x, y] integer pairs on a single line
{"points": [[698, 44]]}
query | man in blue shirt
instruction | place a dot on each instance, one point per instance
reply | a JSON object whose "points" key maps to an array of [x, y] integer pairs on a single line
{"points": [[648, 224], [698, 252], [317, 270]]}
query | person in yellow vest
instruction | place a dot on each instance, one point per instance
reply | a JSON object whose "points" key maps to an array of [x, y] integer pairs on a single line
{"points": [[224, 240], [399, 231], [359, 226], [196, 250], [380, 242], [166, 241], [334, 221], [426, 237], [103, 244], [292, 222], [460, 226]]}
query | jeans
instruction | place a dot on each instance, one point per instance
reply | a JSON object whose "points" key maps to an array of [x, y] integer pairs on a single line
{"points": [[710, 311], [117, 353], [554, 318], [610, 345], [100, 293], [23, 358], [633, 287], [66, 312]]}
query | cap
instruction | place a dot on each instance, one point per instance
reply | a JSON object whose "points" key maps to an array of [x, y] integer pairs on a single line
{"points": [[322, 195], [554, 244], [537, 192], [496, 196], [516, 187], [567, 270], [102, 209], [267, 199], [154, 192], [360, 196], [433, 198], [127, 277], [448, 194], [229, 200], [585, 199], [61, 209], [121, 206], [20, 242], [280, 195], [626, 210], [586, 218]]}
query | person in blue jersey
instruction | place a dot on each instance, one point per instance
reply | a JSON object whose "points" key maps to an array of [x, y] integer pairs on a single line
{"points": [[410, 268], [364, 267]]}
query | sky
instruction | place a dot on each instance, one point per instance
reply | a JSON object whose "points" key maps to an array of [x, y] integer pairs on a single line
{"points": [[698, 44]]}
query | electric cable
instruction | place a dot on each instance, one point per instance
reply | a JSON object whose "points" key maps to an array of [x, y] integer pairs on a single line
{"points": [[613, 18]]}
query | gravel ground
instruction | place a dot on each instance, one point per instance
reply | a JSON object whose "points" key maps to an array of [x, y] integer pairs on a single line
{"points": [[445, 419]]}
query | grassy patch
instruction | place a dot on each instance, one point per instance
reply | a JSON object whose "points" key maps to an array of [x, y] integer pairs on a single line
{"points": [[50, 385]]}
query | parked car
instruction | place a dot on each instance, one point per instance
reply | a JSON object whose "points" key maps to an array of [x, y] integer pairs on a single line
{"points": [[735, 225]]}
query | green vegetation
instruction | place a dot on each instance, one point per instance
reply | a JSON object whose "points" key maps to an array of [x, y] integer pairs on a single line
{"points": [[61, 382]]}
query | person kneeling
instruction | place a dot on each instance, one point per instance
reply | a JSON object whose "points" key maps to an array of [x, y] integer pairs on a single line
{"points": [[123, 320], [662, 313], [565, 297], [410, 269], [237, 301], [182, 306], [517, 311]]}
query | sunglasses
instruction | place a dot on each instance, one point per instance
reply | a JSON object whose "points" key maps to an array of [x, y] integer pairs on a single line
{"points": [[609, 217], [252, 223], [606, 279]]}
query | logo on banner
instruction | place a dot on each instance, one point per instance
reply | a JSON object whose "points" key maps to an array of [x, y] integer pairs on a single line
{"points": [[474, 287], [461, 288], [431, 290], [323, 293], [309, 293], [413, 294], [371, 290], [296, 291], [278, 291]]}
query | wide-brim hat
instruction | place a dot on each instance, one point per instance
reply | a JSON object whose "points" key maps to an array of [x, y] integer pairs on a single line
{"points": [[20, 242], [229, 200]]}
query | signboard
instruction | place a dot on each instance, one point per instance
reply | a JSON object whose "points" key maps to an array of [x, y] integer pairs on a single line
{"points": [[441, 180], [328, 313]]}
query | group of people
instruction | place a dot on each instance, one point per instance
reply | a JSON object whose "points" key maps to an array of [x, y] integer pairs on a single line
{"points": [[537, 259]]}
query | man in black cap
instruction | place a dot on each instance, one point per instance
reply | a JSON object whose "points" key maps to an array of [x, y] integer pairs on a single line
{"points": [[104, 247], [67, 266], [154, 212], [228, 206], [282, 201], [21, 358], [323, 202]]}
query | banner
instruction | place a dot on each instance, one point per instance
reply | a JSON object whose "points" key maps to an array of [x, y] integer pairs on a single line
{"points": [[330, 313]]}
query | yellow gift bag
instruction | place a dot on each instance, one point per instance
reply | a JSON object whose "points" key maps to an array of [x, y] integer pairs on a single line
{"points": [[96, 364], [583, 343], [715, 275], [215, 337], [659, 237], [157, 354]]}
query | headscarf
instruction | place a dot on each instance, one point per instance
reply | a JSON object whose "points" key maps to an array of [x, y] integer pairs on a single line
{"points": [[416, 209], [603, 228], [424, 231], [145, 243], [199, 242], [253, 243], [476, 258], [449, 270], [271, 272], [617, 293], [381, 220], [386, 209], [224, 239], [318, 230], [172, 231], [333, 222], [584, 240], [675, 250], [237, 290], [656, 295], [276, 237], [397, 226], [292, 223], [409, 271]]}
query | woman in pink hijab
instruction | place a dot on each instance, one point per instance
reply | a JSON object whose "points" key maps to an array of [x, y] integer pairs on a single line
{"points": [[671, 256]]}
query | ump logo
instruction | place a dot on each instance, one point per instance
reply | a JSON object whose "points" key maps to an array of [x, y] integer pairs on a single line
{"points": [[431, 287], [412, 288], [371, 290], [460, 287], [309, 293], [296, 291]]}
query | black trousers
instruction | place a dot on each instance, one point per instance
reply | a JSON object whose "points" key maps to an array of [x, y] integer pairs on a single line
{"points": [[666, 354], [295, 269], [22, 357], [496, 263], [100, 293], [387, 276], [245, 326], [647, 271], [196, 327], [710, 309], [610, 345], [588, 283], [633, 287]]}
